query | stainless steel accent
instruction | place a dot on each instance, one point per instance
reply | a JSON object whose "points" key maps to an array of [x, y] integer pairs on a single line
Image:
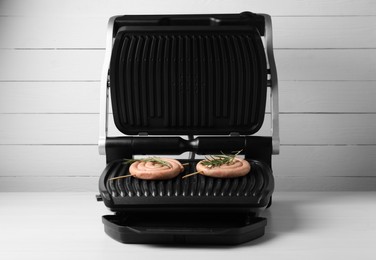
{"points": [[104, 92], [273, 84]]}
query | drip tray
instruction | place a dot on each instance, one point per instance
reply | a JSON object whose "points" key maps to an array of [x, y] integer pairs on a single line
{"points": [[191, 228]]}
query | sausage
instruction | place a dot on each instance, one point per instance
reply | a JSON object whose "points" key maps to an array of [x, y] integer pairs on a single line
{"points": [[238, 168], [155, 171]]}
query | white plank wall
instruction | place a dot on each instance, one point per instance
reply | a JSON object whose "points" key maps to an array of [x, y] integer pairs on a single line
{"points": [[51, 56]]}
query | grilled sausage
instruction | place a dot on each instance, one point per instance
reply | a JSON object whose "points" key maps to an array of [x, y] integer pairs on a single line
{"points": [[155, 171], [238, 168]]}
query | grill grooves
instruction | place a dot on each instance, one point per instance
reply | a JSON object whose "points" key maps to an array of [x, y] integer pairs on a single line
{"points": [[216, 76], [195, 63], [252, 184], [144, 81], [158, 74], [255, 65], [129, 79], [241, 72], [225, 80], [187, 75], [136, 75], [248, 72], [232, 81], [166, 82], [203, 74], [121, 66], [173, 81], [180, 74], [210, 80], [151, 75]]}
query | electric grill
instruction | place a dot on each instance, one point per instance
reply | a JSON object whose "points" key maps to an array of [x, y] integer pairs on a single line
{"points": [[188, 83]]}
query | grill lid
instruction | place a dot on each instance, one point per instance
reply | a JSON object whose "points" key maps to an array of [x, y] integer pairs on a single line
{"points": [[188, 75]]}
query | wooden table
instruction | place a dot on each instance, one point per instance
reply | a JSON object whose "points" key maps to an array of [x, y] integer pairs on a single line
{"points": [[301, 225]]}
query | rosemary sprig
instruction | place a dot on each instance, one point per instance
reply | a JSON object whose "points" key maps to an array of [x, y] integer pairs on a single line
{"points": [[156, 160], [218, 160]]}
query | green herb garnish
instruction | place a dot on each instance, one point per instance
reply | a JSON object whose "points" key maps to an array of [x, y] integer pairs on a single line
{"points": [[219, 160], [216, 161], [155, 160]]}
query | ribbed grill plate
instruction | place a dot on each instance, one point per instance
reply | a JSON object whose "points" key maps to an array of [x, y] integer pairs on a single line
{"points": [[257, 184]]}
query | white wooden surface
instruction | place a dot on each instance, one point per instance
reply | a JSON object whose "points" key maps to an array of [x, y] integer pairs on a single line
{"points": [[51, 56], [301, 225]]}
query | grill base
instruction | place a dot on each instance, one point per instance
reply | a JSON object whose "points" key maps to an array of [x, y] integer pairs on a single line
{"points": [[179, 228]]}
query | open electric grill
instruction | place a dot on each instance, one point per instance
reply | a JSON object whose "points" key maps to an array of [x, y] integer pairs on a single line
{"points": [[196, 84]]}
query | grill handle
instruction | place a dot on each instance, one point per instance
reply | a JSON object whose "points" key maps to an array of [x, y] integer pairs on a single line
{"points": [[254, 147]]}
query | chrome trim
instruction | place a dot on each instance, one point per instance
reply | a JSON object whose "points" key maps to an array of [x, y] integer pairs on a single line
{"points": [[104, 90], [273, 84]]}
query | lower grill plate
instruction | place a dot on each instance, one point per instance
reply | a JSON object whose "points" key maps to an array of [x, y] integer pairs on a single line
{"points": [[253, 189]]}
